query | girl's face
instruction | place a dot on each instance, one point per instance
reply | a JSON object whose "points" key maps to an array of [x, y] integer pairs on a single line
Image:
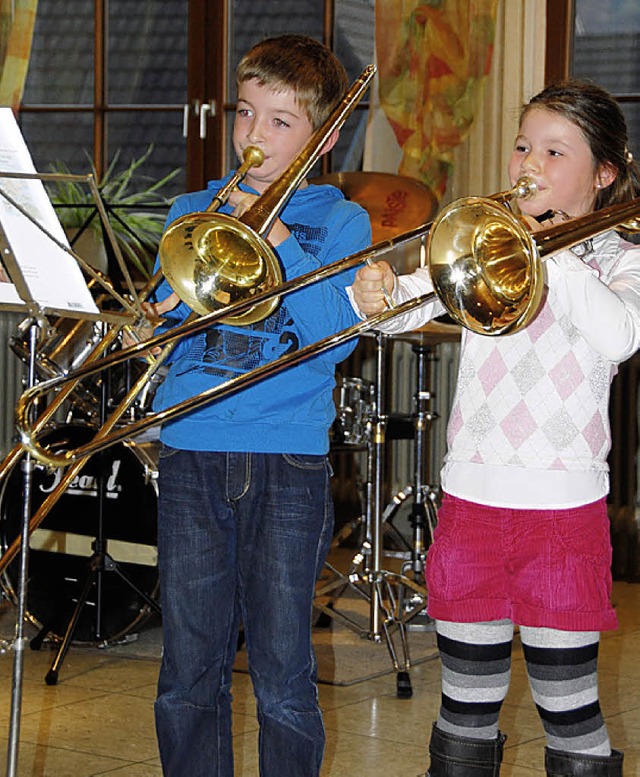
{"points": [[274, 121], [553, 152]]}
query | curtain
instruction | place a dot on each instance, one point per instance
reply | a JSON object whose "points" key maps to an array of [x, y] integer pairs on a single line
{"points": [[517, 73], [433, 58], [17, 19]]}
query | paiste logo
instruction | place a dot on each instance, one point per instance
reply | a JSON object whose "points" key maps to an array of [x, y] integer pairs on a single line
{"points": [[87, 485], [396, 204]]}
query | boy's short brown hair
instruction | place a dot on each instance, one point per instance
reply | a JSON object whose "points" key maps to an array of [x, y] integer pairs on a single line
{"points": [[300, 63]]}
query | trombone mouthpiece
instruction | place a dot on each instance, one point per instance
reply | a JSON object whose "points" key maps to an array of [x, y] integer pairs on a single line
{"points": [[524, 188], [253, 156]]}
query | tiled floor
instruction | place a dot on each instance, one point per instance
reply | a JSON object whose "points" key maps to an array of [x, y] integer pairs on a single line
{"points": [[98, 719]]}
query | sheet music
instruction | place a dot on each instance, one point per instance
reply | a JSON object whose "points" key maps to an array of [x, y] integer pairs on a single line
{"points": [[9, 295], [51, 275]]}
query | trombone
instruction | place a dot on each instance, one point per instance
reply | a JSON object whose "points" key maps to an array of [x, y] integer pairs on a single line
{"points": [[485, 263], [490, 281], [238, 281]]}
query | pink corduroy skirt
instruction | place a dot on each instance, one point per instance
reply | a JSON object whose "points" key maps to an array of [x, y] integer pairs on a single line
{"points": [[541, 568]]}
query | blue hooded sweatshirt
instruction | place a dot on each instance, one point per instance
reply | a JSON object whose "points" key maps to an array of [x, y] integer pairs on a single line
{"points": [[291, 411]]}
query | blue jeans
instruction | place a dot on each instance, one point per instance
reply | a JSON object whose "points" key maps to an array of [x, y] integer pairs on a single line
{"points": [[242, 538]]}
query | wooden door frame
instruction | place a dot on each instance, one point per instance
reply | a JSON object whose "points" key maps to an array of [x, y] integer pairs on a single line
{"points": [[559, 47], [206, 65]]}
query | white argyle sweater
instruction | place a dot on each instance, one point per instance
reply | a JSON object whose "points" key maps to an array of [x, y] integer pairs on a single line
{"points": [[529, 423]]}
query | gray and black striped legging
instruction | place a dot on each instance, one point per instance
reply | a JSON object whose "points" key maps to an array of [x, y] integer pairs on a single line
{"points": [[562, 669]]}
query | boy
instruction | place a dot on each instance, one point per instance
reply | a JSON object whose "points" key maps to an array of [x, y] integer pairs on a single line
{"points": [[245, 513]]}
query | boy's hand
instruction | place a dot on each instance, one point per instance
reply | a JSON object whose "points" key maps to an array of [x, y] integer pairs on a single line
{"points": [[368, 287], [158, 309], [153, 312], [242, 201]]}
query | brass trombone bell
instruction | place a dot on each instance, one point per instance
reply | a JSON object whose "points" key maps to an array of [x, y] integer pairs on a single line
{"points": [[213, 263], [486, 266], [482, 264]]}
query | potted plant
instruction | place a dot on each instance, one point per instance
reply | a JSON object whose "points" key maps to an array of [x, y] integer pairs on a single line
{"points": [[135, 205]]}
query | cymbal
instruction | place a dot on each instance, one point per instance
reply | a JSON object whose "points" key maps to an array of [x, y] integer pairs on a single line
{"points": [[395, 203], [431, 334]]}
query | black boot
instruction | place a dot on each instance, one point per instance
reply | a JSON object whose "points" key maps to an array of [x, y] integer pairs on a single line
{"points": [[453, 756], [560, 764]]}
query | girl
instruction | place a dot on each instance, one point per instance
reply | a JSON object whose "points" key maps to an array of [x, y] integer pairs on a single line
{"points": [[523, 533]]}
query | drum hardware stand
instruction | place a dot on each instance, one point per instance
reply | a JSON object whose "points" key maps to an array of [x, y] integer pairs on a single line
{"points": [[99, 563], [365, 576], [423, 510]]}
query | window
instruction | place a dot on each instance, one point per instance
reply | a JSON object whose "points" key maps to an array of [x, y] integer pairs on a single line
{"points": [[103, 77], [606, 49], [598, 40], [113, 75]]}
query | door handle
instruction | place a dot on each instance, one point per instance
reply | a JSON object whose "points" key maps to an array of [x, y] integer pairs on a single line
{"points": [[186, 111], [205, 110]]}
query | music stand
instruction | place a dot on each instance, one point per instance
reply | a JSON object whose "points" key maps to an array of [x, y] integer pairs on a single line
{"points": [[16, 296], [44, 279]]}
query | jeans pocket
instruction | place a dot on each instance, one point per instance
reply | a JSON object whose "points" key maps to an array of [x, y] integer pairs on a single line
{"points": [[305, 461], [167, 452]]}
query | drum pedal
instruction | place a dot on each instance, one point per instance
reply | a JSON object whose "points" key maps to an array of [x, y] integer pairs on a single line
{"points": [[126, 640], [421, 622]]}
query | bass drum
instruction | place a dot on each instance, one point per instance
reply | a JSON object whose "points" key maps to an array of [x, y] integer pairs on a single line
{"points": [[60, 548]]}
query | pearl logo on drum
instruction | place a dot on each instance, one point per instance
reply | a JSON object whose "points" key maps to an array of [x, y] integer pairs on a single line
{"points": [[87, 485]]}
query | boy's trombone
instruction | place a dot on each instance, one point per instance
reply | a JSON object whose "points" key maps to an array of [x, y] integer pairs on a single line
{"points": [[233, 263]]}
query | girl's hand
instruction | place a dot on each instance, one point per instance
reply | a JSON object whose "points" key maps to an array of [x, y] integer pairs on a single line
{"points": [[532, 224], [368, 287]]}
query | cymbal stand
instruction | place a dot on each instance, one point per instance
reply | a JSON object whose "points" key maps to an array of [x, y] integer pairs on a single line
{"points": [[423, 514], [365, 576], [98, 564], [20, 640]]}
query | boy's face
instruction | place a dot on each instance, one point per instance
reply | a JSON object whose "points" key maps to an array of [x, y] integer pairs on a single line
{"points": [[274, 122]]}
